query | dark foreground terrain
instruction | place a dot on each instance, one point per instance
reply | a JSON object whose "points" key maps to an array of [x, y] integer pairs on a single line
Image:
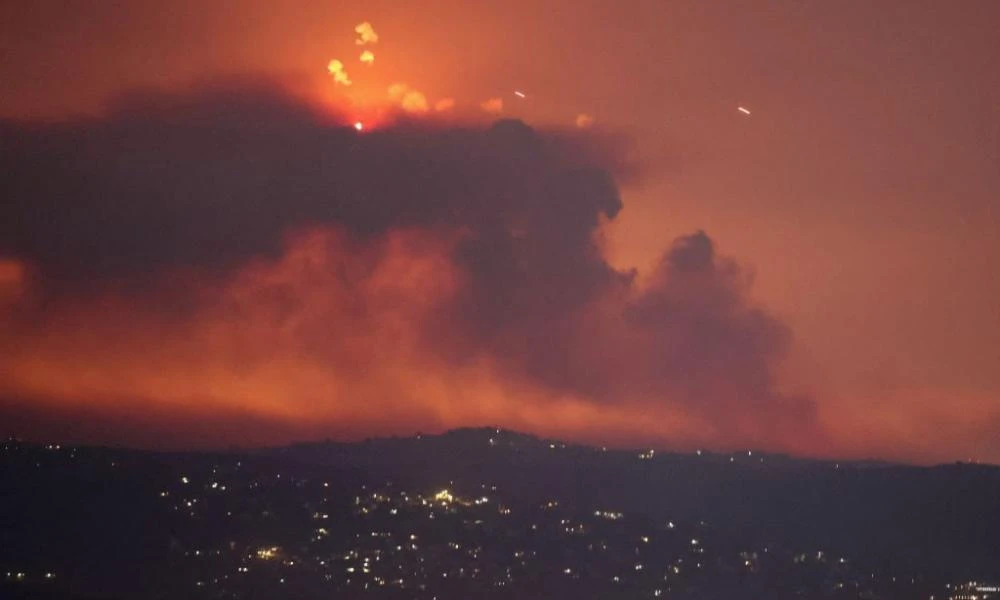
{"points": [[487, 513]]}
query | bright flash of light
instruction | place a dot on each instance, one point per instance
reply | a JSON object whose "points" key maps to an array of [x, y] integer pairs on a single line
{"points": [[336, 68], [359, 126], [583, 120], [494, 106], [519, 94], [744, 110], [366, 34], [368, 57]]}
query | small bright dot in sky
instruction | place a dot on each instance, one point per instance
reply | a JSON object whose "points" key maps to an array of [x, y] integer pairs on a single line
{"points": [[744, 110], [358, 125], [519, 94]]}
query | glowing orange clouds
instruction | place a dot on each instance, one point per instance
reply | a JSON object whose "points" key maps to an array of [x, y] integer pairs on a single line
{"points": [[367, 57], [324, 338], [327, 337], [298, 337], [414, 278]]}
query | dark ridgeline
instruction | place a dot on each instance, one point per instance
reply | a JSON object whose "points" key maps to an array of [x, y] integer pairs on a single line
{"points": [[486, 513]]}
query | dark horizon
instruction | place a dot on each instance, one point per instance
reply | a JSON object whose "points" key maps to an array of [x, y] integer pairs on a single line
{"points": [[485, 430]]}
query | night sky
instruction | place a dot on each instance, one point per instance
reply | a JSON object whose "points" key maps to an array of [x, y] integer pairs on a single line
{"points": [[671, 224]]}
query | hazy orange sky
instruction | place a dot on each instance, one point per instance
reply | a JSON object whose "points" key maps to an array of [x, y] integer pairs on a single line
{"points": [[862, 193]]}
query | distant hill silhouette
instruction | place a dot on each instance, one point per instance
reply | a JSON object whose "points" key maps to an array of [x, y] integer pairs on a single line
{"points": [[923, 516]]}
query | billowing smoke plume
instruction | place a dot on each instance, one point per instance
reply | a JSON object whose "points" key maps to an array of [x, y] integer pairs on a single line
{"points": [[325, 268]]}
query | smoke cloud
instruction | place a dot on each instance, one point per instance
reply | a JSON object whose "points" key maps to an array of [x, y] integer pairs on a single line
{"points": [[231, 248]]}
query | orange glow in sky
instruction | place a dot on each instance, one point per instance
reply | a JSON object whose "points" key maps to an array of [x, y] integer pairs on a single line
{"points": [[861, 196]]}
